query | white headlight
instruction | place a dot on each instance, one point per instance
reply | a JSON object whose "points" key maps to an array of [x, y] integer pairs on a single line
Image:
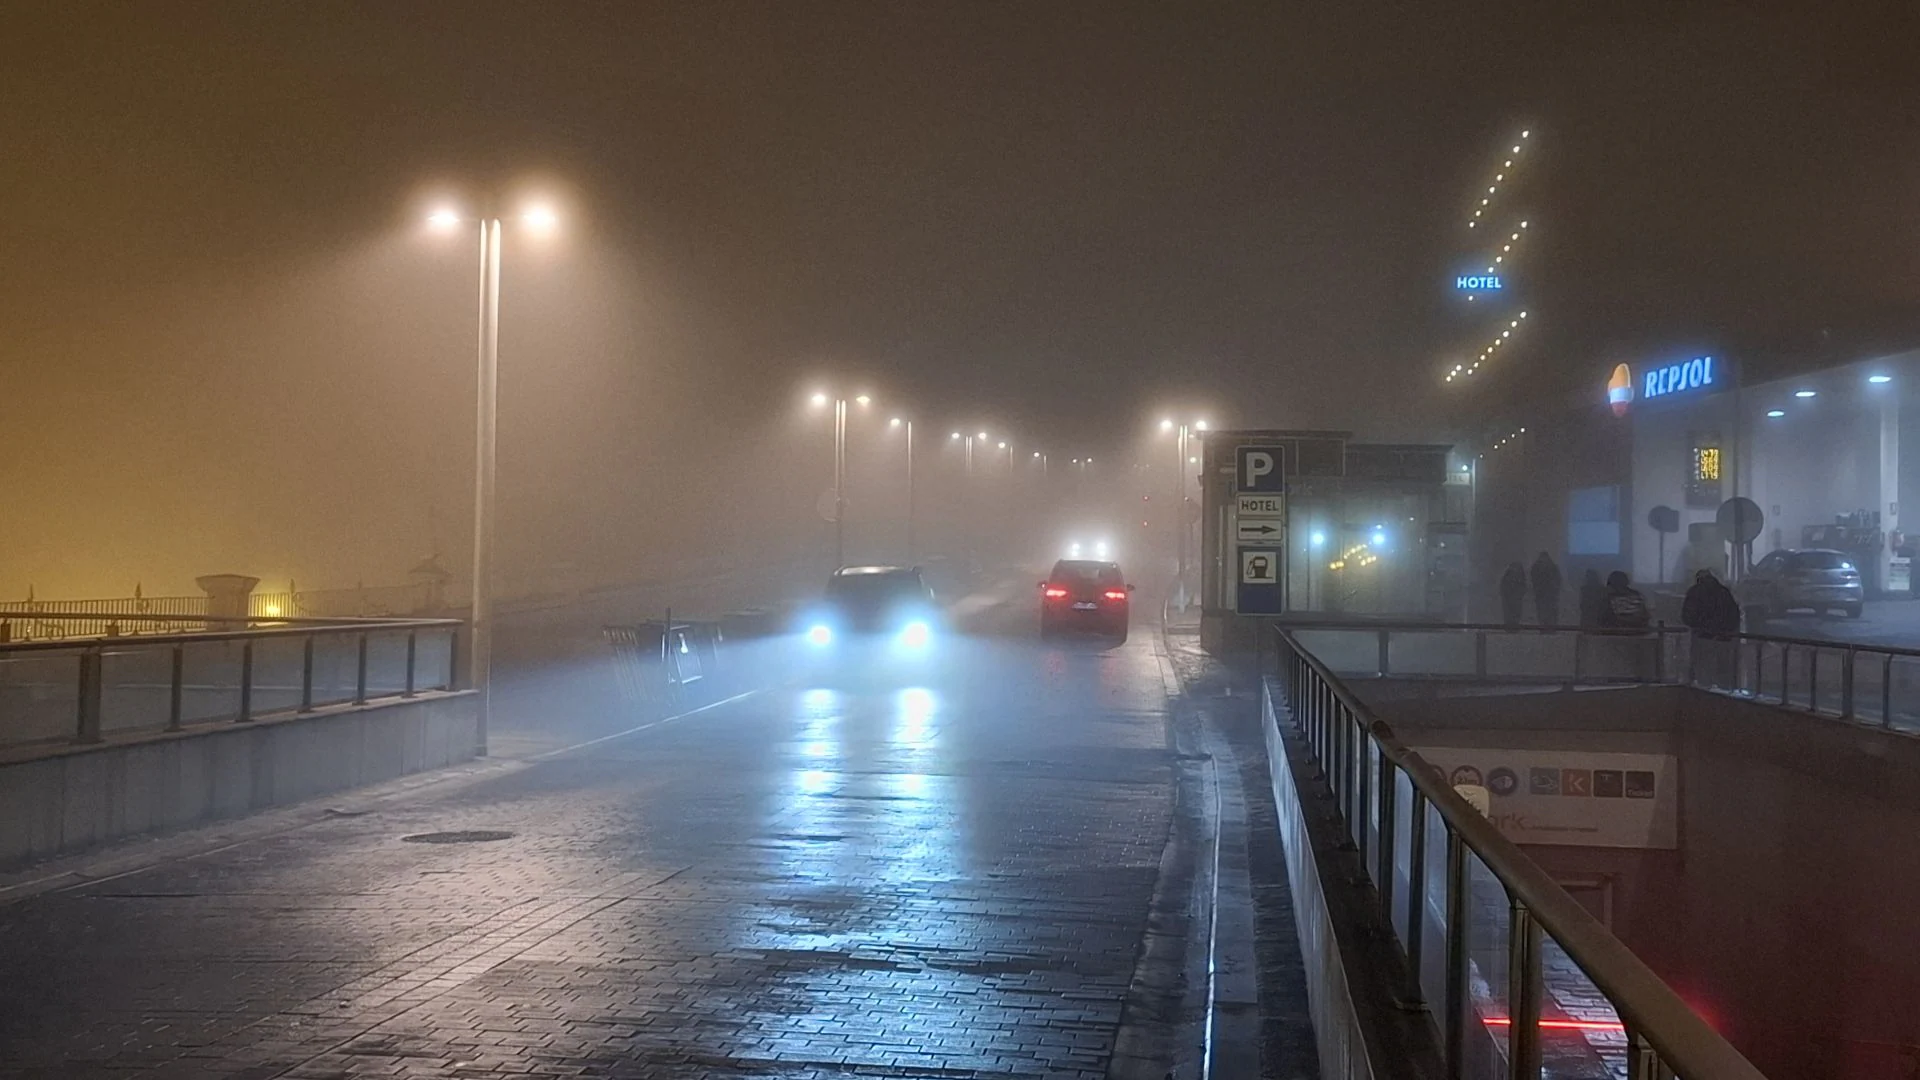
{"points": [[820, 635], [915, 635]]}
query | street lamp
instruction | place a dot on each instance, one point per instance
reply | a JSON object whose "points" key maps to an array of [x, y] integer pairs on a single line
{"points": [[1184, 434], [820, 399], [542, 219]]}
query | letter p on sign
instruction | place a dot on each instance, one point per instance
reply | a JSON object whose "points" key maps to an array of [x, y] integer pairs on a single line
{"points": [[1260, 469]]}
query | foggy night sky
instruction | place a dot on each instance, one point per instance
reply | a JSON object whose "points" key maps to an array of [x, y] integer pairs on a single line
{"points": [[226, 340]]}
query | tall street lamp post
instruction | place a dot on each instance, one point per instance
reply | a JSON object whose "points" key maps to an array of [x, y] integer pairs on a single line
{"points": [[840, 470], [1184, 436], [541, 219], [898, 422]]}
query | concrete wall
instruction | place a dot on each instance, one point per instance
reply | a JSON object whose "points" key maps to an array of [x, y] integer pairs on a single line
{"points": [[1800, 910], [1790, 916], [75, 797]]}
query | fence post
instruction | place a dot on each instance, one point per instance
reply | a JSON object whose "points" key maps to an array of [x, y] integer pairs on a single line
{"points": [[246, 681], [1846, 684], [306, 674], [1454, 1004], [453, 659], [1886, 690], [87, 730], [1386, 797], [413, 645], [1386, 668], [176, 684], [1642, 1062], [1523, 992], [1363, 788], [360, 673], [1416, 891], [1813, 680]]}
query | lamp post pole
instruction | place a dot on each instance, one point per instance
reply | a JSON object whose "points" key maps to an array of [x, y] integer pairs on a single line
{"points": [[839, 483], [480, 649]]}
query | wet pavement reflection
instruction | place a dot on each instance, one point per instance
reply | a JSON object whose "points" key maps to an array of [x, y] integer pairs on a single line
{"points": [[942, 873]]}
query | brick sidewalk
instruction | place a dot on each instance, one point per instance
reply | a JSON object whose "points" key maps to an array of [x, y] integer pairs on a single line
{"points": [[951, 882]]}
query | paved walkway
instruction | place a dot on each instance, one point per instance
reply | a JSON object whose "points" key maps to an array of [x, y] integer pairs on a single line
{"points": [[941, 876]]}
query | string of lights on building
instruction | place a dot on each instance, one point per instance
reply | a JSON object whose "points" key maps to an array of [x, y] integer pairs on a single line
{"points": [[1499, 177], [1485, 287], [1504, 441], [1461, 371], [1506, 249]]}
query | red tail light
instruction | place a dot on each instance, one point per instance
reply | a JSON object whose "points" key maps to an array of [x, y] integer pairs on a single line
{"points": [[1116, 594], [1055, 592]]}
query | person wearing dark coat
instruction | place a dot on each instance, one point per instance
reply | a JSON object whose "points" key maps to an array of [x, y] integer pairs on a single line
{"points": [[1710, 607], [1713, 614], [1546, 590], [1513, 593], [1625, 607], [1593, 599]]}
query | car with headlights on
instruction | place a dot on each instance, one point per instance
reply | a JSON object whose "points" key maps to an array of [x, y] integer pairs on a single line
{"points": [[1817, 579], [872, 613], [1085, 595]]}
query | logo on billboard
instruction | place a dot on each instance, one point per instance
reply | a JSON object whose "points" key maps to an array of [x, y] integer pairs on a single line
{"points": [[1620, 390]]}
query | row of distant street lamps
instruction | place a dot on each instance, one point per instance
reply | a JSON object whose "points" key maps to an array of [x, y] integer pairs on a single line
{"points": [[541, 219], [821, 399]]}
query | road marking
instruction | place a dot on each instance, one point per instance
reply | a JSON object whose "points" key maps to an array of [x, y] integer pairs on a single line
{"points": [[648, 726]]}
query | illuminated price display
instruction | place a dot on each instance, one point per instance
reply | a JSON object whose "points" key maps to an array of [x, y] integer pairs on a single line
{"points": [[1703, 479]]}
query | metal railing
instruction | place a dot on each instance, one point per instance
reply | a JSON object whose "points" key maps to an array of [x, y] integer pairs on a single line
{"points": [[1563, 655], [1870, 684], [90, 689], [1481, 926], [51, 620]]}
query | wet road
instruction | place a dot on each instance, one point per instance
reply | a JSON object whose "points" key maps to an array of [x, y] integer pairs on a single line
{"points": [[947, 873]]}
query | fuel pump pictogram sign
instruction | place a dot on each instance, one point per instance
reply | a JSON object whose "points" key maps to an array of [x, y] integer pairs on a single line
{"points": [[1259, 567]]}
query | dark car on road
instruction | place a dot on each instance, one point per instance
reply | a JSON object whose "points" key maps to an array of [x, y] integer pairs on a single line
{"points": [[1816, 579], [1086, 595], [873, 605]]}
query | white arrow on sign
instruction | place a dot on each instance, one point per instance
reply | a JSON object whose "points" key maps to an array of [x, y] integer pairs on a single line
{"points": [[1259, 531]]}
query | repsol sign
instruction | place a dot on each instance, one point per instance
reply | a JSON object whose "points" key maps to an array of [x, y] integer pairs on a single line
{"points": [[1699, 373]]}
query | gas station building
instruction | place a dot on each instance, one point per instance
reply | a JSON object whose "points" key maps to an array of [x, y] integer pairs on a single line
{"points": [[1636, 477]]}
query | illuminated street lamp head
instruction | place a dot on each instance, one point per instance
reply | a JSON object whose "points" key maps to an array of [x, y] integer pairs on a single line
{"points": [[444, 219], [895, 422], [956, 437], [1036, 453], [1002, 446], [819, 399], [1201, 426], [863, 399], [1166, 425], [541, 218], [982, 436]]}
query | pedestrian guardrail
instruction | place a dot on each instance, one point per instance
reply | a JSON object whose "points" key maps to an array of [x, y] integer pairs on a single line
{"points": [[1479, 923], [89, 689], [1870, 684]]}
